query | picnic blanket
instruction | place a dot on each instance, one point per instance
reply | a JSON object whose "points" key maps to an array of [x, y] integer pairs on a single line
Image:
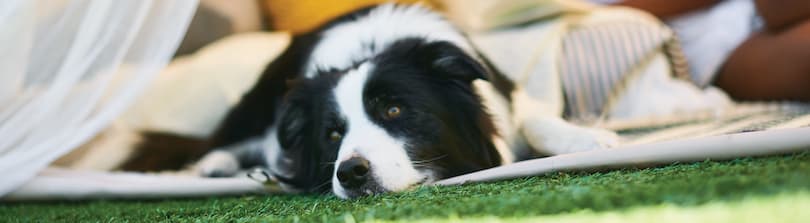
{"points": [[743, 130]]}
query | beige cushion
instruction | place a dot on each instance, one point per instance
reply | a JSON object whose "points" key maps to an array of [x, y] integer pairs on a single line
{"points": [[194, 92]]}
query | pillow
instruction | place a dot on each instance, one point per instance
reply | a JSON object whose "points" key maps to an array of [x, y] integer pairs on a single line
{"points": [[480, 15], [194, 92]]}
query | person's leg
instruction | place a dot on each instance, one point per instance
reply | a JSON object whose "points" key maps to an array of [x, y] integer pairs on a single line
{"points": [[770, 66]]}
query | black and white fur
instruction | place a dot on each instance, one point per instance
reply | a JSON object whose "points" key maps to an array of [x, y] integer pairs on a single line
{"points": [[384, 99]]}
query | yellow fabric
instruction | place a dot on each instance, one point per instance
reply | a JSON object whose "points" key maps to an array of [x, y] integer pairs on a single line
{"points": [[299, 16]]}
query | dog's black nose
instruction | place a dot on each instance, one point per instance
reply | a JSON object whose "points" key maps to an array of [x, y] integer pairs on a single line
{"points": [[353, 172]]}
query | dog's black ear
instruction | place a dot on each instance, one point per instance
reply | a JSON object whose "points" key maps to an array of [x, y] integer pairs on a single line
{"points": [[292, 126], [451, 61]]}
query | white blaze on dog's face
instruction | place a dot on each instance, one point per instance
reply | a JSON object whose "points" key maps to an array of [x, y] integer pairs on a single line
{"points": [[383, 156], [409, 116]]}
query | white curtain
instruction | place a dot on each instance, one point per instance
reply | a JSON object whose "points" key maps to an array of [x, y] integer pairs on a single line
{"points": [[69, 67]]}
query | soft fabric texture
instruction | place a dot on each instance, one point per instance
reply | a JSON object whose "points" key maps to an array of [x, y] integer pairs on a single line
{"points": [[70, 68], [483, 15], [609, 60], [188, 98], [608, 50], [707, 36], [710, 35], [194, 92]]}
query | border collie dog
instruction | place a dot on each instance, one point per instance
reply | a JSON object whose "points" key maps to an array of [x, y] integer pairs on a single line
{"points": [[384, 99]]}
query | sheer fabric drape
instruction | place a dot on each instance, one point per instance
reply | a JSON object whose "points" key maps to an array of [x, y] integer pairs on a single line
{"points": [[69, 67]]}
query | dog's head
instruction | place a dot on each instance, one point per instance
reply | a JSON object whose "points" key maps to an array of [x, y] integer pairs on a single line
{"points": [[405, 117]]}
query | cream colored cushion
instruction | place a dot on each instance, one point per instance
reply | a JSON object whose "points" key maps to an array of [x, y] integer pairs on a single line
{"points": [[194, 92]]}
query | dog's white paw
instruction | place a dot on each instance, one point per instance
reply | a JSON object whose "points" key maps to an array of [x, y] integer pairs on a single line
{"points": [[218, 164], [569, 139]]}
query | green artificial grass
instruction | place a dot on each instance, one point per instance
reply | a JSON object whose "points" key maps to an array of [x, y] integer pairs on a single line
{"points": [[789, 207], [750, 189]]}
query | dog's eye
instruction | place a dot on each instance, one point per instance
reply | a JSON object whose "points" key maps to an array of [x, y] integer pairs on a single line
{"points": [[335, 136], [393, 112]]}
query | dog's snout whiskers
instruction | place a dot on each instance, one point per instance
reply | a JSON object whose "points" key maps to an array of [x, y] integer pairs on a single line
{"points": [[422, 163]]}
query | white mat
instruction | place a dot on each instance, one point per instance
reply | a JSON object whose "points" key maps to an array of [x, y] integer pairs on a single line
{"points": [[748, 130]]}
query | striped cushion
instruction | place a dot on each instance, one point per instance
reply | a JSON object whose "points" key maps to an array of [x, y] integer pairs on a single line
{"points": [[597, 59]]}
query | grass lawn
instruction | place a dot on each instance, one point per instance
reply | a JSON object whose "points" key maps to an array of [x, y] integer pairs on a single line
{"points": [[753, 189]]}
